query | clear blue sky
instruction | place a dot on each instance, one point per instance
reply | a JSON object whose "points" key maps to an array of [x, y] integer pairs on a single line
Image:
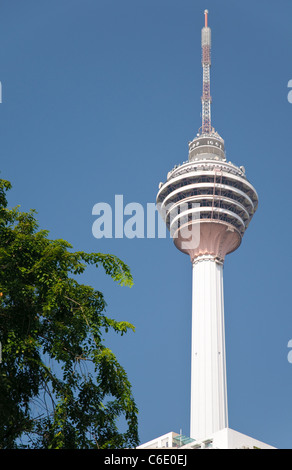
{"points": [[100, 97]]}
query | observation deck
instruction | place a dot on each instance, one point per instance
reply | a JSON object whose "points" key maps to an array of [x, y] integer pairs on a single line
{"points": [[207, 203]]}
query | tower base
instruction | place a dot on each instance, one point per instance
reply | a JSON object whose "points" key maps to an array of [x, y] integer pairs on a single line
{"points": [[224, 439]]}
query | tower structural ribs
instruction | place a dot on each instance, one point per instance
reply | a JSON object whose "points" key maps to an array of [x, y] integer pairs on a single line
{"points": [[207, 204]]}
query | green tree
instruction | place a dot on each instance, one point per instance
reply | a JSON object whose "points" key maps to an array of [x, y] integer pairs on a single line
{"points": [[60, 386]]}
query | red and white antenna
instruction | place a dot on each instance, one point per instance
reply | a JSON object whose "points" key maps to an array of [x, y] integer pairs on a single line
{"points": [[206, 64]]}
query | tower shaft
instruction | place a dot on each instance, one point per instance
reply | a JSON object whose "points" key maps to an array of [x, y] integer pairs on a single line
{"points": [[208, 370]]}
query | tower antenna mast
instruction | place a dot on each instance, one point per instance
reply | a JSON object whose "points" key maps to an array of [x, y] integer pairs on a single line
{"points": [[206, 64]]}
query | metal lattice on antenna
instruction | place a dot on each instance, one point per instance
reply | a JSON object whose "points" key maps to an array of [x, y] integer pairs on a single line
{"points": [[206, 64]]}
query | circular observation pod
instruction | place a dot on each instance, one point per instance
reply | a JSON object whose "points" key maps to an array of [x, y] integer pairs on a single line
{"points": [[207, 205]]}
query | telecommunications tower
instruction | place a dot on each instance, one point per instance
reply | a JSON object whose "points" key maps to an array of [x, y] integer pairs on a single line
{"points": [[207, 204]]}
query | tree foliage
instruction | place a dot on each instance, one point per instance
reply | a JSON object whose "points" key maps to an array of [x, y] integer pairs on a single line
{"points": [[60, 386]]}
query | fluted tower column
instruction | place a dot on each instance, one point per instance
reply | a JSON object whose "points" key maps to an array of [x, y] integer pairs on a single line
{"points": [[208, 364]]}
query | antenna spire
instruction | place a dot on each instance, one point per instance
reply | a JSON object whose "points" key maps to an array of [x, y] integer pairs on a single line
{"points": [[206, 64], [206, 18]]}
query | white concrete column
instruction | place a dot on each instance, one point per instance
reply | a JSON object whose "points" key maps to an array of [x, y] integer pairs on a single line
{"points": [[208, 373]]}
